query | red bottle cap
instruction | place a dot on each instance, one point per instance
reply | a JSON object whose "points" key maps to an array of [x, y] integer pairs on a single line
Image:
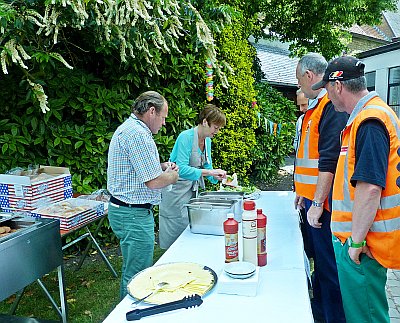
{"points": [[249, 205]]}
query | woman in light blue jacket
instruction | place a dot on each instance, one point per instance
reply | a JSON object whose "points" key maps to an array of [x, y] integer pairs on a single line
{"points": [[192, 153]]}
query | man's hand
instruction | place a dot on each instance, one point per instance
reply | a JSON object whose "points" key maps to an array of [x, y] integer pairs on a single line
{"points": [[354, 253], [170, 165], [299, 202], [313, 216]]}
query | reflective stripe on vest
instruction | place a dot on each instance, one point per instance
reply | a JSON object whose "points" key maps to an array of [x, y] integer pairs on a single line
{"points": [[307, 155], [386, 202], [377, 226], [306, 179]]}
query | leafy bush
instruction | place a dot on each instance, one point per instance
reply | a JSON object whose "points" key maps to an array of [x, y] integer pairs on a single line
{"points": [[234, 143], [271, 149]]}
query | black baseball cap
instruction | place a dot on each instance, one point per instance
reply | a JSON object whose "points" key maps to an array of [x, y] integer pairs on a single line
{"points": [[342, 68]]}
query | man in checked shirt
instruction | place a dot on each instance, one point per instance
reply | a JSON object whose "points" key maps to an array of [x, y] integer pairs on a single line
{"points": [[135, 178]]}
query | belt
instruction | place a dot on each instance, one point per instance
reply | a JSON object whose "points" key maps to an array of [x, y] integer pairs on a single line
{"points": [[140, 206]]}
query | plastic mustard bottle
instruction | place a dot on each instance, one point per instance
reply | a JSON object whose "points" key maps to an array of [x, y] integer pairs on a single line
{"points": [[231, 227], [249, 231], [261, 238]]}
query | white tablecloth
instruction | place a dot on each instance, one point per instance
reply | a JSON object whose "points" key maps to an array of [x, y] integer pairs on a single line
{"points": [[282, 294]]}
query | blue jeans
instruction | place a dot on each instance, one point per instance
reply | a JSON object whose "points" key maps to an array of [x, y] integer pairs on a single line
{"points": [[134, 227], [327, 298]]}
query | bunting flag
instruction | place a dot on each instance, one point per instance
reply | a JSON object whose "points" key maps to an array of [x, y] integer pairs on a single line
{"points": [[209, 81], [270, 126]]}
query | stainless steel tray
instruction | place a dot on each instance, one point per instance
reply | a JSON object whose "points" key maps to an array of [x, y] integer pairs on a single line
{"points": [[215, 279]]}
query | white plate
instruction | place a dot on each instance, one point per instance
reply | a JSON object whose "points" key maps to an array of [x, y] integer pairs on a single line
{"points": [[240, 276], [240, 269]]}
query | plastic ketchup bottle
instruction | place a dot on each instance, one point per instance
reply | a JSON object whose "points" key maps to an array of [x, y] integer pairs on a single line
{"points": [[249, 231], [261, 238], [231, 227]]}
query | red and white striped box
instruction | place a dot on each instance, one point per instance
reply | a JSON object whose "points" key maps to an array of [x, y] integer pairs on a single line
{"points": [[26, 193], [71, 213]]}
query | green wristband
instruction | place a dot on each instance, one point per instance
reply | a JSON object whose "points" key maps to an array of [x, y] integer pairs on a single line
{"points": [[352, 244]]}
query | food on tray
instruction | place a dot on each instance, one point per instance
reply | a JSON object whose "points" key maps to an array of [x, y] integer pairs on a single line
{"points": [[230, 180], [184, 279], [40, 177], [63, 209], [5, 229]]}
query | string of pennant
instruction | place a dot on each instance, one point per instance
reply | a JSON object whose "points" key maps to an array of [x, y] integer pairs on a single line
{"points": [[209, 81], [270, 126]]}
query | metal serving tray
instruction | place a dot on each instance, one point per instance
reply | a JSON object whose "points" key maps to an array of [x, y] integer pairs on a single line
{"points": [[206, 216], [230, 196]]}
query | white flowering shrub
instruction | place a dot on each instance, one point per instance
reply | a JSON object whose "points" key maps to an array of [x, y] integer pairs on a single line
{"points": [[37, 33]]}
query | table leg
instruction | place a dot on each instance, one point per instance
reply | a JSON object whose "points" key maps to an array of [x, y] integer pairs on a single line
{"points": [[63, 299], [110, 267], [93, 240], [63, 311], [14, 305]]}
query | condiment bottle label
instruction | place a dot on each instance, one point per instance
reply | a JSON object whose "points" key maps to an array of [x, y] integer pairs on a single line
{"points": [[249, 228], [261, 238], [231, 247]]}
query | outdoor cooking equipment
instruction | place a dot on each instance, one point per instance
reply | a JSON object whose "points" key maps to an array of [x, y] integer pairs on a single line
{"points": [[29, 253]]}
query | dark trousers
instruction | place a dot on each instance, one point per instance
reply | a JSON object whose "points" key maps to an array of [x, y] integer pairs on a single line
{"points": [[307, 243], [327, 301]]}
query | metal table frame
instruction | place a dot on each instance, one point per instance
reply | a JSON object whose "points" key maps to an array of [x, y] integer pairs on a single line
{"points": [[92, 240], [63, 312]]}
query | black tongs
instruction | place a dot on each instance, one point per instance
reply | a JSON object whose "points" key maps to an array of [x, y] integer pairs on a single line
{"points": [[186, 302]]}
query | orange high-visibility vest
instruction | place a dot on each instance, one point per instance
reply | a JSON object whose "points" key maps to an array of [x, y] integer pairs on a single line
{"points": [[307, 155], [383, 238]]}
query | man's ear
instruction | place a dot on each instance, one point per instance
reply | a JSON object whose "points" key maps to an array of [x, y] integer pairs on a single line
{"points": [[152, 110]]}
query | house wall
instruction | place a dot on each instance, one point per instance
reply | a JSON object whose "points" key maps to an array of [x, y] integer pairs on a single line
{"points": [[358, 45], [381, 64]]}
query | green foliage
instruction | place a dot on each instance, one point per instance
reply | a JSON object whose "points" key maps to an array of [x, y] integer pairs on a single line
{"points": [[235, 142], [75, 133], [271, 149]]}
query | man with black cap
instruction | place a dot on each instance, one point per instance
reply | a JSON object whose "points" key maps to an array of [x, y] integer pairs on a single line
{"points": [[366, 192], [315, 165]]}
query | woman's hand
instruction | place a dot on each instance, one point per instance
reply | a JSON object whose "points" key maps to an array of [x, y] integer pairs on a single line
{"points": [[218, 174]]}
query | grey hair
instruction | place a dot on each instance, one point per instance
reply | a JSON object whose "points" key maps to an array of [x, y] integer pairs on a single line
{"points": [[299, 91], [146, 100], [313, 62], [355, 85]]}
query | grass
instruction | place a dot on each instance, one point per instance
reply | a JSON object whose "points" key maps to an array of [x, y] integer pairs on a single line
{"points": [[92, 291]]}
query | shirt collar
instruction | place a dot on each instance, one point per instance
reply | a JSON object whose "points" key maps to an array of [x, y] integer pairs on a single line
{"points": [[312, 103], [360, 105], [140, 122]]}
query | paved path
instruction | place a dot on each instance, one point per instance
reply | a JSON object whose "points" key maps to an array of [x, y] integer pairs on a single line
{"points": [[393, 282], [393, 295]]}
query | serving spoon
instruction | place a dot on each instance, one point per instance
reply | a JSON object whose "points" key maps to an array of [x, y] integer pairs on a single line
{"points": [[159, 286]]}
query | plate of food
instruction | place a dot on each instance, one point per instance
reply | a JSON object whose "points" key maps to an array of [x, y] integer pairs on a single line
{"points": [[180, 279]]}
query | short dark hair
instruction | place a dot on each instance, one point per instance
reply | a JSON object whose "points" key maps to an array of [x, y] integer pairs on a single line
{"points": [[146, 100], [213, 115], [355, 85]]}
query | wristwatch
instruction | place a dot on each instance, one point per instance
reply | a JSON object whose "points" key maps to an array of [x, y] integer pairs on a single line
{"points": [[352, 244], [317, 204]]}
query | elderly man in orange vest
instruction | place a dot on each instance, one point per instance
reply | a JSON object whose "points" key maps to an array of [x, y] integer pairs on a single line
{"points": [[366, 192], [315, 165]]}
